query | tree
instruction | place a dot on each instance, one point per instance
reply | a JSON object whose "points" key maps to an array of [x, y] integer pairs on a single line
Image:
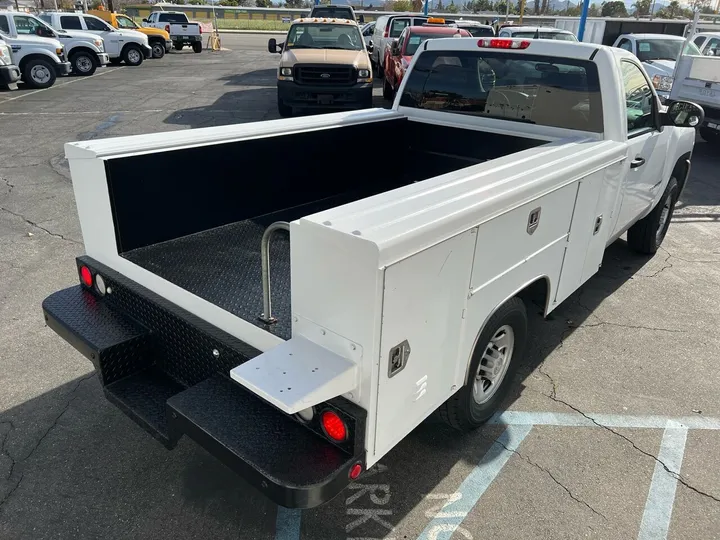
{"points": [[402, 5], [294, 3], [642, 7], [452, 8], [439, 6], [263, 3], [699, 5], [673, 9], [614, 9], [196, 2]]}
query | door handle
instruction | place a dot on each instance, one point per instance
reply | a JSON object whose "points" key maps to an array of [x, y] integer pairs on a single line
{"points": [[637, 162]]}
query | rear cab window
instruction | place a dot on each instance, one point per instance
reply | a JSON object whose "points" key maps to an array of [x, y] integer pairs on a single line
{"points": [[334, 13], [172, 17], [549, 91]]}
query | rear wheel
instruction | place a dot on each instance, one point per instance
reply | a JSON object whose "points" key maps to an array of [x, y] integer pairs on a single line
{"points": [[197, 47], [158, 49], [494, 362], [132, 55], [83, 63], [648, 233], [39, 73], [710, 135]]}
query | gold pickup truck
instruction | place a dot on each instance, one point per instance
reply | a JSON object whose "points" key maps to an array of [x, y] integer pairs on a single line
{"points": [[324, 65], [159, 39]]}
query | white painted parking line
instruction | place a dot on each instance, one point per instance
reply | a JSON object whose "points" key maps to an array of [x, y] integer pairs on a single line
{"points": [[287, 524], [448, 520], [512, 418], [74, 80], [661, 497]]}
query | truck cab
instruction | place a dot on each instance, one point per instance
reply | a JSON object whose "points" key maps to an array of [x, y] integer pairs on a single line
{"points": [[40, 59], [9, 72], [324, 64], [658, 54], [121, 45], [159, 39]]}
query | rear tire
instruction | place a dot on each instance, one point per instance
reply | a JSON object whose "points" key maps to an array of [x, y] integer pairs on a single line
{"points": [[132, 55], [83, 63], [39, 73], [647, 235], [710, 135], [197, 47], [388, 92], [498, 351], [158, 49]]}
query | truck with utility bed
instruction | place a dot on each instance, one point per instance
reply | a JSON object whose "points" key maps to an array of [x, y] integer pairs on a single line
{"points": [[300, 323], [176, 23]]}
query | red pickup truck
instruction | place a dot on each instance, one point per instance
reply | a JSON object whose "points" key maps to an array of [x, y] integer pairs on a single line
{"points": [[399, 53]]}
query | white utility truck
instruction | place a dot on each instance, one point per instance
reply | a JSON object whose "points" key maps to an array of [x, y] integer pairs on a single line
{"points": [[697, 78], [298, 324], [9, 72]]}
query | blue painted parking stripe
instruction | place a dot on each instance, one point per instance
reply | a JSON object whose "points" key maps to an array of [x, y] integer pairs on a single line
{"points": [[661, 497], [287, 523], [452, 515]]}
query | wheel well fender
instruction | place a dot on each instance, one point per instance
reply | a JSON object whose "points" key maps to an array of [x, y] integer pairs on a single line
{"points": [[35, 56], [76, 50], [680, 171], [536, 291]]}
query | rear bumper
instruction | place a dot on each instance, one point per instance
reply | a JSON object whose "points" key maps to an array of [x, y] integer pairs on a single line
{"points": [[319, 97], [185, 39], [167, 370], [9, 74]]}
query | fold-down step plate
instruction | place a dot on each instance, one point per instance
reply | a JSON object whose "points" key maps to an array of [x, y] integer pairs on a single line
{"points": [[297, 374]]}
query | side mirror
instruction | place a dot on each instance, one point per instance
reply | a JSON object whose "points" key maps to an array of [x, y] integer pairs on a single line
{"points": [[370, 46], [394, 49], [684, 114], [272, 45], [145, 20]]}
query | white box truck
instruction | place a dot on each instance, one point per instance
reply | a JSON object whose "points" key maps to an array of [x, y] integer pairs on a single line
{"points": [[299, 321]]}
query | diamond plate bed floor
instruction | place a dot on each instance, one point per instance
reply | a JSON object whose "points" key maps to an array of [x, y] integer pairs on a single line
{"points": [[222, 265]]}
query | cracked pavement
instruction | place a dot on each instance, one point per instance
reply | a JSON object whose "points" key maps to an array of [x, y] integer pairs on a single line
{"points": [[640, 338]]}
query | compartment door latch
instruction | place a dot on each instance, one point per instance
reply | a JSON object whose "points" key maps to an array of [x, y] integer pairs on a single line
{"points": [[398, 358]]}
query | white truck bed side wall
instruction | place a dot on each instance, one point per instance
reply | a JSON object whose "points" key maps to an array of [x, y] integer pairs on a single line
{"points": [[692, 73]]}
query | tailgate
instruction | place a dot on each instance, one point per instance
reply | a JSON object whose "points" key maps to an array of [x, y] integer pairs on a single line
{"points": [[185, 29]]}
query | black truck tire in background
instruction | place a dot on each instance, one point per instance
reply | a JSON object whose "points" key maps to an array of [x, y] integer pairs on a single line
{"points": [[284, 110], [158, 48], [132, 55], [709, 135], [197, 47], [38, 73], [648, 233], [178, 46], [83, 63], [462, 411]]}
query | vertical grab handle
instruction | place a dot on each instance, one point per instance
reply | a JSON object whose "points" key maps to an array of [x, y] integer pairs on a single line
{"points": [[266, 315]]}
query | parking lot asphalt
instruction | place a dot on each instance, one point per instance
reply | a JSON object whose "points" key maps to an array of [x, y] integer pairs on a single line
{"points": [[611, 430]]}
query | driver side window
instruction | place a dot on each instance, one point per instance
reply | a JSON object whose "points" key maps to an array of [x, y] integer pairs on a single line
{"points": [[25, 25], [625, 44], [640, 101], [95, 24], [4, 24]]}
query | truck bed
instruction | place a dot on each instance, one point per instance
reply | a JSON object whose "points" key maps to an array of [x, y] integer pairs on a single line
{"points": [[201, 219]]}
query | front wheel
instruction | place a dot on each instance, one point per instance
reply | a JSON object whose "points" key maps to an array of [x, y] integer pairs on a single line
{"points": [[132, 55], [158, 49], [648, 233], [494, 362], [83, 63], [284, 110], [711, 136], [39, 73], [197, 47]]}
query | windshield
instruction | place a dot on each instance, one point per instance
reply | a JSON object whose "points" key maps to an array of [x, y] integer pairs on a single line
{"points": [[415, 40], [546, 35], [324, 36], [126, 22], [543, 90], [479, 31], [663, 49]]}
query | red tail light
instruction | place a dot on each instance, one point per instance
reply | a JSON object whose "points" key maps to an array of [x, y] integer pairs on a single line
{"points": [[200, 27], [333, 426], [387, 31], [86, 276], [355, 471], [167, 28], [503, 43]]}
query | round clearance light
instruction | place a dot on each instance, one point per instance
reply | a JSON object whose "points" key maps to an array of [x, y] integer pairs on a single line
{"points": [[355, 471], [100, 285], [86, 276], [333, 426], [306, 415]]}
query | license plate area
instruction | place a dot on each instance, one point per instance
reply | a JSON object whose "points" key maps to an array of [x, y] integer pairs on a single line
{"points": [[325, 99]]}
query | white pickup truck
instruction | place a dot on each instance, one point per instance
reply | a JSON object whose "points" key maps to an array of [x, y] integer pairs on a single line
{"points": [[40, 59], [182, 31], [394, 293], [9, 72]]}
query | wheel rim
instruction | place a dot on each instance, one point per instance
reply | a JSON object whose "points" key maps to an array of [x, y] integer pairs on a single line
{"points": [[158, 49], [664, 218], [494, 364], [40, 74], [133, 56], [83, 63]]}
